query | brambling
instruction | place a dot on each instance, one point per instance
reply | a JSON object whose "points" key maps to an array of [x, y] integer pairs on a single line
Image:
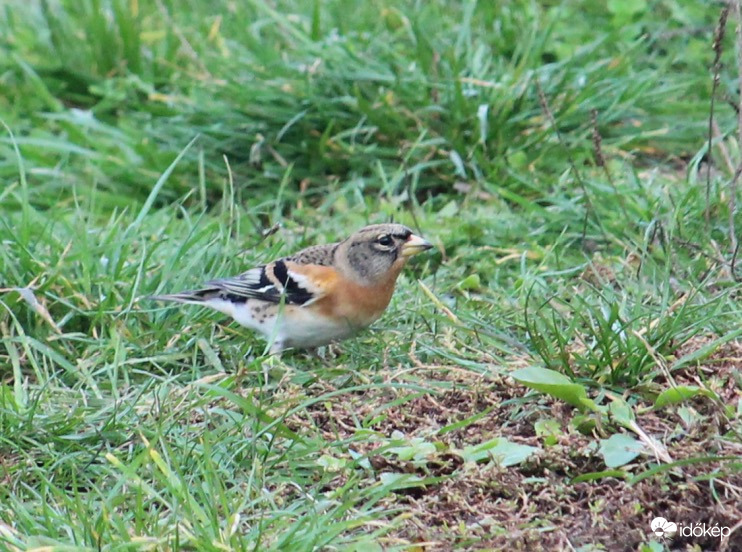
{"points": [[319, 295]]}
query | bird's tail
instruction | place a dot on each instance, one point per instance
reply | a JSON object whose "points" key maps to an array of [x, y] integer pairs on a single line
{"points": [[194, 297]]}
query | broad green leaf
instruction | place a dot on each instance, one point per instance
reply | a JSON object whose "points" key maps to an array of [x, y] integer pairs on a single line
{"points": [[549, 429], [621, 411], [619, 449], [473, 281], [681, 393], [331, 463], [416, 449], [552, 383], [502, 450], [394, 481]]}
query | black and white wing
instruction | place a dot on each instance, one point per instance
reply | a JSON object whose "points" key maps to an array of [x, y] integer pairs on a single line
{"points": [[280, 281]]}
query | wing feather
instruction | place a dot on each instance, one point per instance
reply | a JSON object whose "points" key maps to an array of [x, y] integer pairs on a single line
{"points": [[274, 282], [300, 279]]}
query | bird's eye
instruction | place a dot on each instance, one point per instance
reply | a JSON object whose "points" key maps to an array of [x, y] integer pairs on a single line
{"points": [[385, 240]]}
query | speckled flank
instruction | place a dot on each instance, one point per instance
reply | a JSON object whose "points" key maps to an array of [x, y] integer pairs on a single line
{"points": [[262, 312]]}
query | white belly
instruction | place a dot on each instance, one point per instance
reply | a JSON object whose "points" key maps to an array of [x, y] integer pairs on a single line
{"points": [[289, 326], [307, 329]]}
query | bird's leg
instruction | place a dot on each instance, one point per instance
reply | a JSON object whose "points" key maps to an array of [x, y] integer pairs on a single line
{"points": [[273, 369], [277, 347], [328, 352], [274, 365]]}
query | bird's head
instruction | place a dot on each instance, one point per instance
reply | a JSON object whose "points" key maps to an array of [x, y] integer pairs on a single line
{"points": [[375, 253]]}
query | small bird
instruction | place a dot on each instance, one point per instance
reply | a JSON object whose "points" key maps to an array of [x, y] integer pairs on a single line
{"points": [[321, 294]]}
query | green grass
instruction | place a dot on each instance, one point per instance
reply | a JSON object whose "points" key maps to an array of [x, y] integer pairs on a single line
{"points": [[150, 145]]}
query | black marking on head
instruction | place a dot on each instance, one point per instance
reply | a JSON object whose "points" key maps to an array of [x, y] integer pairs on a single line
{"points": [[396, 230], [370, 260]]}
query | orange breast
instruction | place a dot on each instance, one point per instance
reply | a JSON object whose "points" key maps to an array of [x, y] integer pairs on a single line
{"points": [[358, 304]]}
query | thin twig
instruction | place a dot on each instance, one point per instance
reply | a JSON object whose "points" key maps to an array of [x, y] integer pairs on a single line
{"points": [[733, 263], [734, 246], [698, 249], [718, 48], [600, 160]]}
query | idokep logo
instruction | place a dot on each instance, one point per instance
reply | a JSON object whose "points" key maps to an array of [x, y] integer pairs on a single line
{"points": [[667, 529], [663, 528]]}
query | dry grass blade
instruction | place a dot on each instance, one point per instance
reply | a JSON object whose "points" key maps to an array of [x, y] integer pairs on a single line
{"points": [[29, 297], [437, 302]]}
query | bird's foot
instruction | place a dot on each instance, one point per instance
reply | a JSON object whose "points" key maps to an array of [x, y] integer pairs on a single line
{"points": [[275, 370]]}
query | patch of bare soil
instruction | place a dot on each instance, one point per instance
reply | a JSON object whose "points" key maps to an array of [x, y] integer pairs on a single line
{"points": [[535, 505]]}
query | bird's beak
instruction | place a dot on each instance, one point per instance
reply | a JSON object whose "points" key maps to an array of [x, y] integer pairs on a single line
{"points": [[414, 245]]}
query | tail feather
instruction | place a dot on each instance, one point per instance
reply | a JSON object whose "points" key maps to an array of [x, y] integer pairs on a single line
{"points": [[197, 297]]}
